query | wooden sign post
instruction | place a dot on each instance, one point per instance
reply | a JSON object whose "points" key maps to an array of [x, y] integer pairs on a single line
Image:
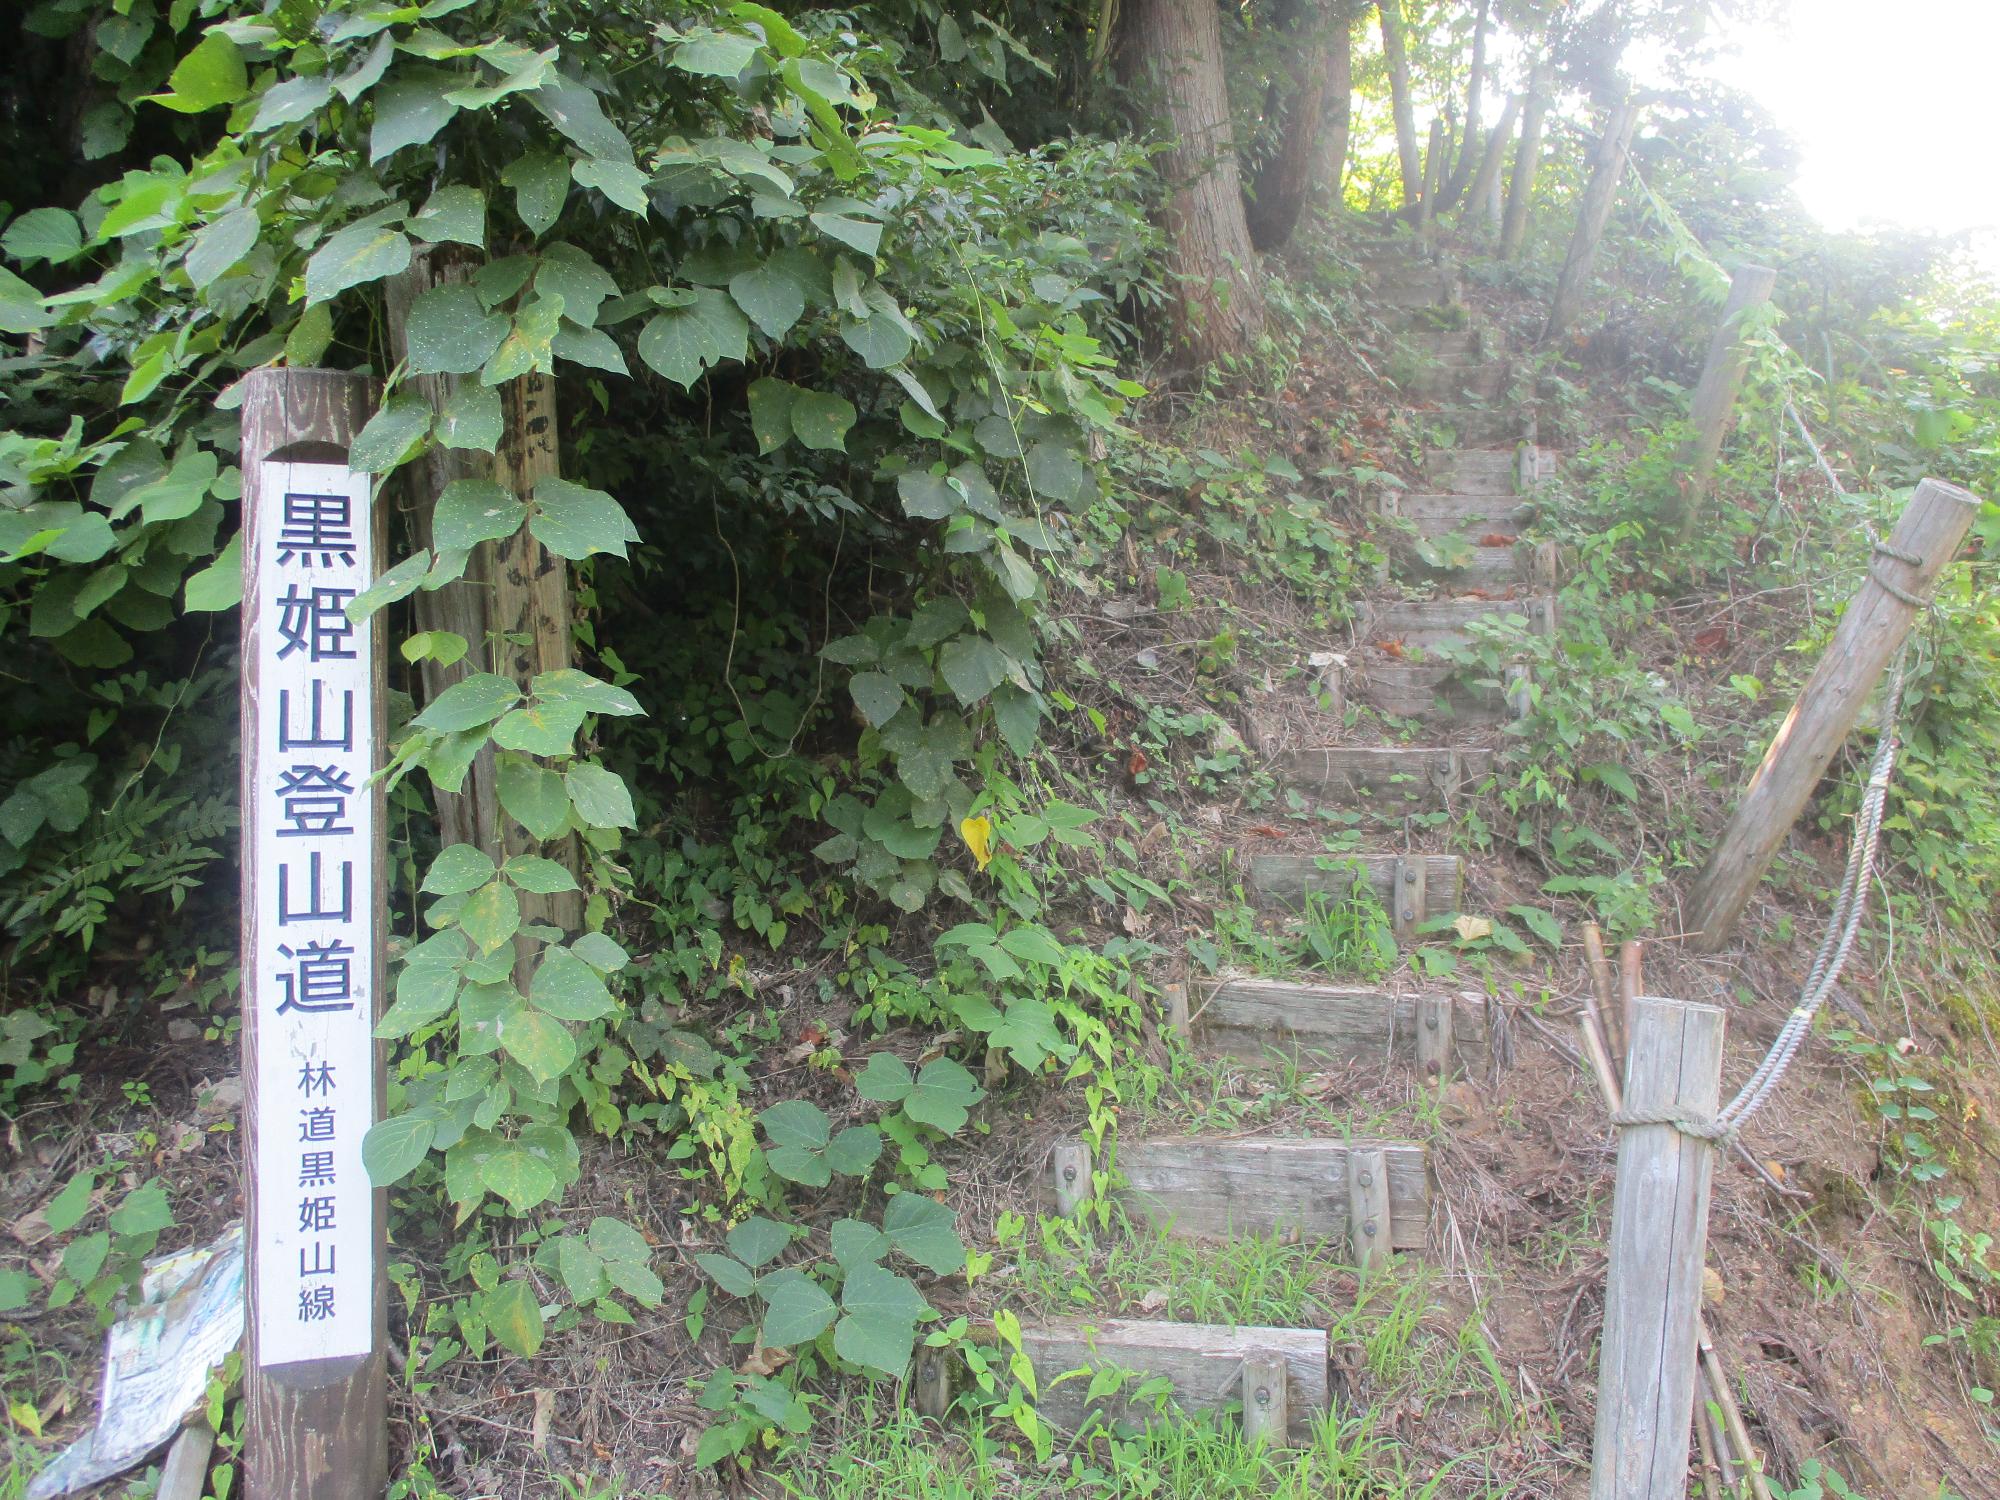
{"points": [[314, 921]]}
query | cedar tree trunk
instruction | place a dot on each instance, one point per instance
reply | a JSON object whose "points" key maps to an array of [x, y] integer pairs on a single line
{"points": [[1174, 48], [1311, 127], [1468, 146], [1399, 99], [1526, 161]]}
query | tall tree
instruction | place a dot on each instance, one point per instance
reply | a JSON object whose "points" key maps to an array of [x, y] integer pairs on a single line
{"points": [[1397, 57], [1599, 198], [1173, 52], [1475, 90], [1486, 182], [1526, 161], [1309, 126]]}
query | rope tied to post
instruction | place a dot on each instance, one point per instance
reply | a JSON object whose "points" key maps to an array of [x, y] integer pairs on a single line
{"points": [[1844, 923], [1695, 1126], [1893, 590]]}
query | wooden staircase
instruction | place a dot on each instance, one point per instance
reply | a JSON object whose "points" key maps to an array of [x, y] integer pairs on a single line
{"points": [[1369, 1198]]}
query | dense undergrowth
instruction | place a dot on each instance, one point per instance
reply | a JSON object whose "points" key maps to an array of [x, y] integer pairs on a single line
{"points": [[889, 825]]}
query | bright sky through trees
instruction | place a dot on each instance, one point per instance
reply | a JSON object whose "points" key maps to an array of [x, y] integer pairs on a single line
{"points": [[1892, 107]]}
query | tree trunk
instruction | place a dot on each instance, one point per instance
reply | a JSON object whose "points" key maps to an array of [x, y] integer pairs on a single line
{"points": [[1175, 48], [1527, 160], [512, 605], [1716, 392], [1311, 127], [1488, 176], [1599, 198], [1434, 153], [1399, 99], [1469, 153]]}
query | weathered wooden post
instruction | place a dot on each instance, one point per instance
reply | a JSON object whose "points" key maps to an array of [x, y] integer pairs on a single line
{"points": [[1659, 1230], [1266, 1411], [1901, 573], [930, 1383], [314, 875], [1069, 1171], [1599, 197], [1716, 392], [1368, 1213]]}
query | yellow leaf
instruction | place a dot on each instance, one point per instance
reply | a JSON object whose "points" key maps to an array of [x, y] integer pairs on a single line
{"points": [[978, 836], [26, 1417], [1469, 928]]}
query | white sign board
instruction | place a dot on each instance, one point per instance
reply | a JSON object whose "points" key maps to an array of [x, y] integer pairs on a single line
{"points": [[310, 824]]}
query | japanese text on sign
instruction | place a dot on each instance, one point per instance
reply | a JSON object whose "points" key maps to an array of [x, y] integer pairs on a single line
{"points": [[310, 819]]}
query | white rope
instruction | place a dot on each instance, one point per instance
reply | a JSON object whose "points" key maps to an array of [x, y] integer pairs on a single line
{"points": [[1842, 928]]}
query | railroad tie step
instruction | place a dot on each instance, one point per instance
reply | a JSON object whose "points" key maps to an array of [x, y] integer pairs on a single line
{"points": [[1396, 777], [1452, 381], [1370, 1197], [1488, 470], [1413, 887], [1276, 1376], [1431, 623], [1420, 690], [1426, 291], [1266, 1022], [1436, 512], [1491, 565], [1478, 424], [1447, 343]]}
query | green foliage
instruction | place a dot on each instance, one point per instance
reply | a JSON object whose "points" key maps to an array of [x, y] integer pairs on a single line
{"points": [[935, 309]]}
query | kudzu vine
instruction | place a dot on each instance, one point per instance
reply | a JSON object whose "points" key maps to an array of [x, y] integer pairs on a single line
{"points": [[710, 198]]}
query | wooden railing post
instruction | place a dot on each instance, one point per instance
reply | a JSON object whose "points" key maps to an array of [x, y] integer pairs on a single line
{"points": [[1659, 1231], [1900, 575], [1716, 392], [1599, 197]]}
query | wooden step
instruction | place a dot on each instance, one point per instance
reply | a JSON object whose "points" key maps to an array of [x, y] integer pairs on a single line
{"points": [[1396, 775], [1287, 879], [1203, 1364], [1477, 424], [1473, 470], [1424, 690], [1495, 569], [1485, 381], [1447, 343], [1431, 623], [1426, 291], [1213, 1187], [1472, 516], [1265, 1020]]}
